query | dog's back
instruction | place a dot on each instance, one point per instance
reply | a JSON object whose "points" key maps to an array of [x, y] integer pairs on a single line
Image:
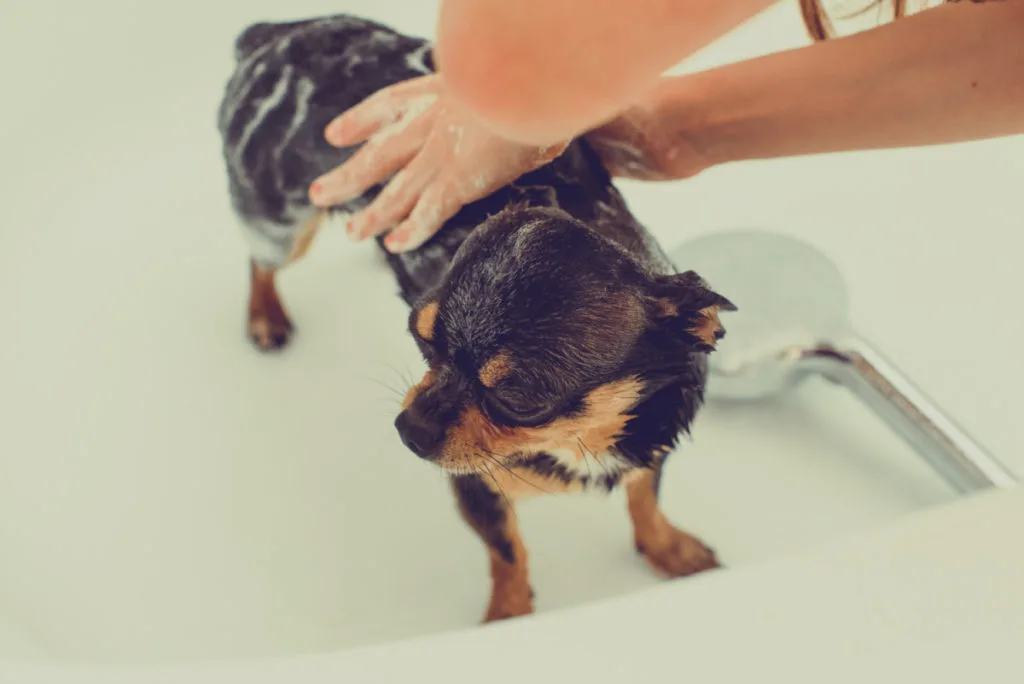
{"points": [[292, 78]]}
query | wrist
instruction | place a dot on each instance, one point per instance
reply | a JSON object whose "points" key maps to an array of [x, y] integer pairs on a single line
{"points": [[691, 123]]}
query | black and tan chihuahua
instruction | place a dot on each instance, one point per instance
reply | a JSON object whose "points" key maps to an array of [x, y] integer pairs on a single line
{"points": [[564, 351]]}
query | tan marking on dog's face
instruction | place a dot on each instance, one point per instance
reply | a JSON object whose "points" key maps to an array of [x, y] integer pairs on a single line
{"points": [[414, 391], [426, 319], [708, 326], [474, 441], [304, 237], [495, 370]]}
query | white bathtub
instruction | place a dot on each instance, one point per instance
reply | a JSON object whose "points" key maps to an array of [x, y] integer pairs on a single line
{"points": [[174, 503]]}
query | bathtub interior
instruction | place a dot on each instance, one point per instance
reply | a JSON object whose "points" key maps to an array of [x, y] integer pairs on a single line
{"points": [[168, 494]]}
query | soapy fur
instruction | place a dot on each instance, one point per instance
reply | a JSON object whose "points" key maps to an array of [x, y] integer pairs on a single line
{"points": [[292, 79]]}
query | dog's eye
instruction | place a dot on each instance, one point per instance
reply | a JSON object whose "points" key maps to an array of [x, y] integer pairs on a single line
{"points": [[518, 412]]}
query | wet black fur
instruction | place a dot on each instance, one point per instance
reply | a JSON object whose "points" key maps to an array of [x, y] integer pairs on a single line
{"points": [[536, 268]]}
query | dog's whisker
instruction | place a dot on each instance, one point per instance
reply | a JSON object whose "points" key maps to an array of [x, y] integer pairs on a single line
{"points": [[396, 370], [391, 388], [494, 459], [409, 376], [588, 452], [497, 484], [404, 374], [583, 453], [405, 380]]}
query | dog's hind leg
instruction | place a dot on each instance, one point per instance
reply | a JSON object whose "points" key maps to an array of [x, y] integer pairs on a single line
{"points": [[269, 326]]}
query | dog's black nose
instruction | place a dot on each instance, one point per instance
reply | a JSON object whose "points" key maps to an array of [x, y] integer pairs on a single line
{"points": [[422, 437]]}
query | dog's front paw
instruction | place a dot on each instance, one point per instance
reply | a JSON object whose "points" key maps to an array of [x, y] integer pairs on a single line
{"points": [[678, 554], [506, 605], [269, 332]]}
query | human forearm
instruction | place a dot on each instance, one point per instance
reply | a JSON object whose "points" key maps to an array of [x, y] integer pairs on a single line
{"points": [[949, 74], [541, 71]]}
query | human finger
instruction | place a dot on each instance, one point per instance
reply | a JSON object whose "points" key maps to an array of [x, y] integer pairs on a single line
{"points": [[393, 204], [383, 108], [436, 205], [388, 151]]}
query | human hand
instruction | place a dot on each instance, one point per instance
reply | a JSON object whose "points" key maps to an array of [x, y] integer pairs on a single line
{"points": [[438, 158]]}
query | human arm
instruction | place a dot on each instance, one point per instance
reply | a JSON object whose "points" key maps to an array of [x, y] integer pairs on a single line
{"points": [[542, 71], [949, 74]]}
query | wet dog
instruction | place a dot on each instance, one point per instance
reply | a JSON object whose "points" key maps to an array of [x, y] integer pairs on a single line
{"points": [[564, 350]]}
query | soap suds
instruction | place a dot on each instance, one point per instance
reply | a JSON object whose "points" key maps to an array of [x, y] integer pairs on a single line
{"points": [[456, 131], [383, 111], [416, 60]]}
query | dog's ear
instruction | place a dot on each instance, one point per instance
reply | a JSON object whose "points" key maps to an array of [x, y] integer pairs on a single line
{"points": [[685, 304]]}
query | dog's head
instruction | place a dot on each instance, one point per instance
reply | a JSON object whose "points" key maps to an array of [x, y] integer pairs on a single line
{"points": [[545, 336]]}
